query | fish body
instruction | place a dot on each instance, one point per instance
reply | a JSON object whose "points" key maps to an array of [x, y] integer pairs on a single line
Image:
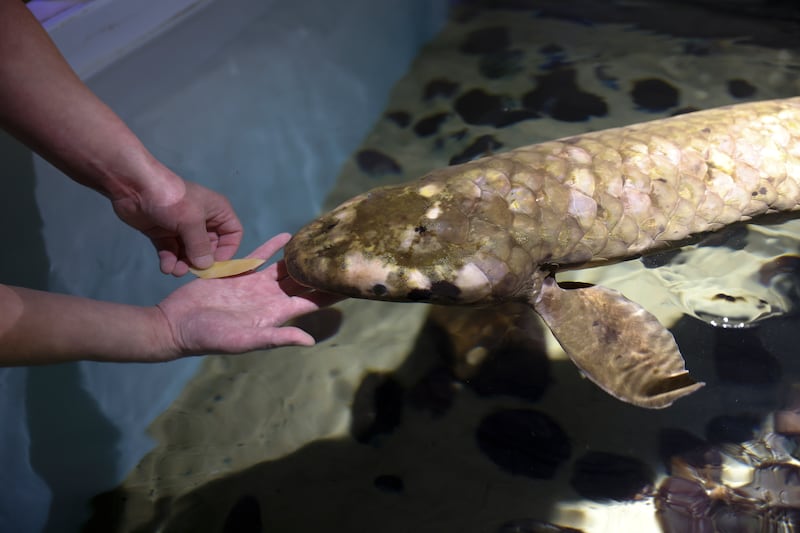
{"points": [[499, 228]]}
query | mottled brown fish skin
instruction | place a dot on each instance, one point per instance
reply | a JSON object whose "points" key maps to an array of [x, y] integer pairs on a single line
{"points": [[492, 229]]}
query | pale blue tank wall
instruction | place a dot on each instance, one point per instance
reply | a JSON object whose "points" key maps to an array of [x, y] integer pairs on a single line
{"points": [[261, 100]]}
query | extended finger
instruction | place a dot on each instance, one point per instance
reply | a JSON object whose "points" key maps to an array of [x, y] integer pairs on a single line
{"points": [[271, 247], [290, 335]]}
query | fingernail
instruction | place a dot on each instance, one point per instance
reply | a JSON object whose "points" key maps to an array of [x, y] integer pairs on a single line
{"points": [[204, 261]]}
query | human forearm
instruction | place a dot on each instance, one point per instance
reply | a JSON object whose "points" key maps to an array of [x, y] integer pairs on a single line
{"points": [[45, 104], [38, 327], [230, 315]]}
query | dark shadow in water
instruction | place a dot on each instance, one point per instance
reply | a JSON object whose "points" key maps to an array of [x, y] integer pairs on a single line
{"points": [[70, 439], [416, 459], [402, 470], [25, 259]]}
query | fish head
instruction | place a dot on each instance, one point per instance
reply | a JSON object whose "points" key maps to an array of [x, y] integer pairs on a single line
{"points": [[428, 241]]}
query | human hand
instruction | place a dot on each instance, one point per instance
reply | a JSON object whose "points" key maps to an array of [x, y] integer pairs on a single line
{"points": [[187, 223], [242, 313]]}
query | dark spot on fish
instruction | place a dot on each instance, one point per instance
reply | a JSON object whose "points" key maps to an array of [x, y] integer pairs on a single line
{"points": [[244, 516], [739, 88], [726, 297], [654, 95], [376, 163], [486, 41], [377, 407], [482, 146], [389, 483], [741, 358], [732, 428], [501, 64], [420, 229], [557, 94], [378, 289], [439, 87], [683, 505], [401, 118], [444, 290], [607, 332], [331, 225], [524, 442], [419, 295], [530, 525], [429, 125], [606, 476]]}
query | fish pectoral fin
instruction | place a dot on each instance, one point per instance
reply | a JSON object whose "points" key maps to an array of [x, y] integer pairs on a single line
{"points": [[616, 343]]}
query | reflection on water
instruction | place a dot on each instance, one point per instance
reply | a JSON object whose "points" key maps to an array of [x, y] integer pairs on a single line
{"points": [[411, 419]]}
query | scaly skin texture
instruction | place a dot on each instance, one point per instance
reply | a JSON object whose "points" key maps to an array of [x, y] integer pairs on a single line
{"points": [[498, 229], [490, 229]]}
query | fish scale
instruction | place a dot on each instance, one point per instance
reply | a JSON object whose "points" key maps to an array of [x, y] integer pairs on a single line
{"points": [[643, 187], [500, 228]]}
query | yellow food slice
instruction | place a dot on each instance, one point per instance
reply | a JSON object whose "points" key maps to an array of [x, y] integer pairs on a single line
{"points": [[224, 269]]}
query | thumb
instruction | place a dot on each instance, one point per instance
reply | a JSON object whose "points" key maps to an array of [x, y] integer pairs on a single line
{"points": [[197, 244]]}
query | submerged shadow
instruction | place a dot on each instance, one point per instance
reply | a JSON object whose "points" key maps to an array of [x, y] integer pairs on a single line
{"points": [[71, 440], [413, 460], [443, 443]]}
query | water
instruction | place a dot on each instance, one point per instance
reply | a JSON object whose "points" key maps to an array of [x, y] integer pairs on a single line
{"points": [[406, 418]]}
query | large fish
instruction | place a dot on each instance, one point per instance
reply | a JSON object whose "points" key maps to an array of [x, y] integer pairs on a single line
{"points": [[500, 228]]}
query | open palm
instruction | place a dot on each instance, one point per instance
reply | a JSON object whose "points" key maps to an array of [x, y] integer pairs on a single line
{"points": [[242, 313]]}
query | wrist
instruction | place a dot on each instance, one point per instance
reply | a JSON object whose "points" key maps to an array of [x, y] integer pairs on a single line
{"points": [[165, 345], [138, 176]]}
